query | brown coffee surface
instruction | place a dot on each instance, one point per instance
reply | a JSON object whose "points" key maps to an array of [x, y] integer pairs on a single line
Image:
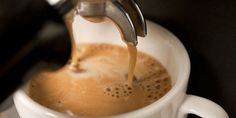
{"points": [[98, 85]]}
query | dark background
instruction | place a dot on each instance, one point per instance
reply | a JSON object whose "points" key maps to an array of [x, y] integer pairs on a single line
{"points": [[207, 28]]}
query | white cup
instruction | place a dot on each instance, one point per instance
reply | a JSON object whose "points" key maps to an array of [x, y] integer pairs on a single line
{"points": [[159, 43]]}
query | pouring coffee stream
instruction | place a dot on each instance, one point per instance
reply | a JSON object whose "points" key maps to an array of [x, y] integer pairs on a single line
{"points": [[125, 14]]}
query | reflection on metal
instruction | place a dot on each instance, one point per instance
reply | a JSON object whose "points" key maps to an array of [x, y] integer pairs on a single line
{"points": [[124, 13]]}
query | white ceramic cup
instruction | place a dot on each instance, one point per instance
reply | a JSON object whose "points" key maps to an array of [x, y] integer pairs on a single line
{"points": [[159, 43]]}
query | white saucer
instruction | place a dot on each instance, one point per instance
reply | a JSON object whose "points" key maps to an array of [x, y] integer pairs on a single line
{"points": [[8, 109], [10, 113]]}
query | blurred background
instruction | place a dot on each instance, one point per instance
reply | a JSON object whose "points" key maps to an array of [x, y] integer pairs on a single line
{"points": [[207, 28]]}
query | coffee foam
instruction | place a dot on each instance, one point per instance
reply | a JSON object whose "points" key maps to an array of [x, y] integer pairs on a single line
{"points": [[97, 85]]}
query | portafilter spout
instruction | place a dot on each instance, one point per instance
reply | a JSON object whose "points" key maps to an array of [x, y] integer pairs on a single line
{"points": [[126, 14]]}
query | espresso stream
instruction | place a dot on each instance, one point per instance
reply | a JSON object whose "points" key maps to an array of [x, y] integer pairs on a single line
{"points": [[101, 79], [69, 19]]}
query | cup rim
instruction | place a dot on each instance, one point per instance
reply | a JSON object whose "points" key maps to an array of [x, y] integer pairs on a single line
{"points": [[20, 95]]}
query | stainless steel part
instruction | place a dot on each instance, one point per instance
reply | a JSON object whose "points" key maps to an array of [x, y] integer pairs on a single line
{"points": [[124, 13]]}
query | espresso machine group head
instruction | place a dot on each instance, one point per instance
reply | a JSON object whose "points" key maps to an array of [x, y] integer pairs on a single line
{"points": [[126, 14]]}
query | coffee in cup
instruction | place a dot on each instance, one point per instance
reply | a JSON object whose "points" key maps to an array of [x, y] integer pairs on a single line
{"points": [[99, 85], [101, 79]]}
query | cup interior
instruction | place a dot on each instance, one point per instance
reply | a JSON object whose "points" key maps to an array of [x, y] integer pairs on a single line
{"points": [[159, 43]]}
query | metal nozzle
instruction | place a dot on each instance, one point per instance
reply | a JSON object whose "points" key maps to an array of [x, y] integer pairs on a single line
{"points": [[124, 13]]}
